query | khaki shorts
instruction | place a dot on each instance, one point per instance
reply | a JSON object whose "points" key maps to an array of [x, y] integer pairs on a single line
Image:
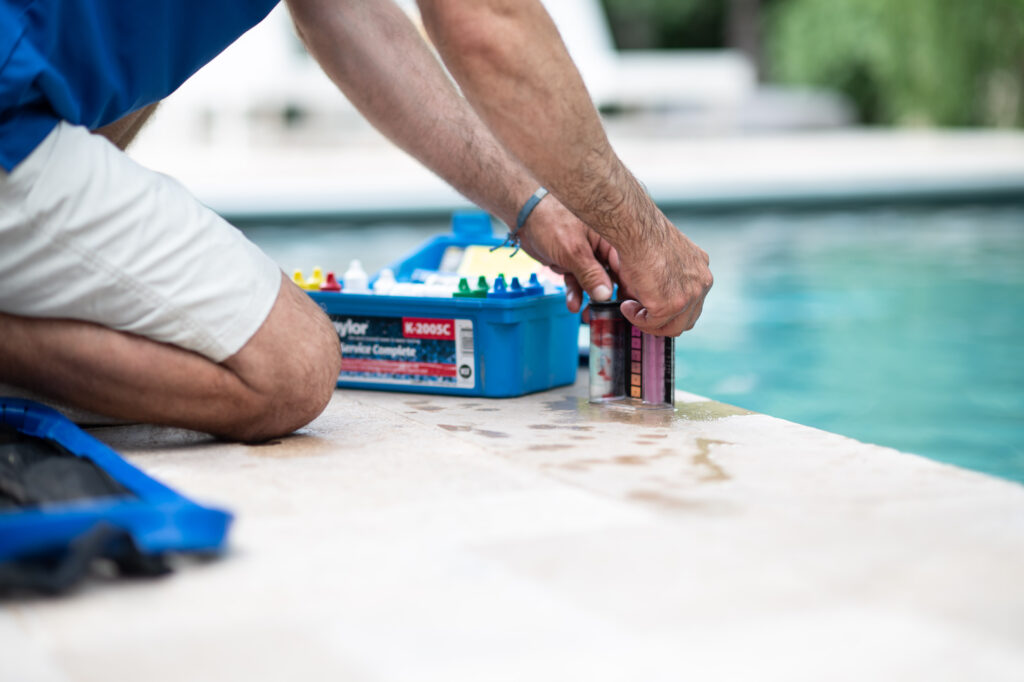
{"points": [[88, 234]]}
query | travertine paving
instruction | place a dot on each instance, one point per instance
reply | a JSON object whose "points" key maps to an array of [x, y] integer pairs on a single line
{"points": [[371, 178], [413, 537]]}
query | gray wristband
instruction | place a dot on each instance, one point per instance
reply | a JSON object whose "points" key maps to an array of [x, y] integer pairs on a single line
{"points": [[513, 236], [528, 207]]}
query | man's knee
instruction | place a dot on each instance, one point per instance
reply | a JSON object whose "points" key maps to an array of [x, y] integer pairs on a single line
{"points": [[290, 368], [302, 388]]}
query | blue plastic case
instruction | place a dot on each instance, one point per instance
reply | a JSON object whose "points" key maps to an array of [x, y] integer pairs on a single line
{"points": [[492, 347], [158, 519]]}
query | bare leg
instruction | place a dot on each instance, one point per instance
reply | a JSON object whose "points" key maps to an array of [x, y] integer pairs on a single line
{"points": [[280, 380], [122, 131]]}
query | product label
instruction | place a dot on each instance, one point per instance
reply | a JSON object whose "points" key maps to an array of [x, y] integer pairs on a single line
{"points": [[410, 351]]}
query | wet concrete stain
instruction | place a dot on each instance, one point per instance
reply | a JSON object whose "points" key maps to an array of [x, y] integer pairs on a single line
{"points": [[658, 418], [455, 427], [294, 446], [660, 499], [566, 403], [707, 411], [466, 428], [714, 472], [627, 415], [423, 405], [567, 466], [621, 460], [709, 470]]}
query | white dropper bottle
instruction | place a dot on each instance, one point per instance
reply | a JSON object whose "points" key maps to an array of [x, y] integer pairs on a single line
{"points": [[356, 280], [385, 282]]}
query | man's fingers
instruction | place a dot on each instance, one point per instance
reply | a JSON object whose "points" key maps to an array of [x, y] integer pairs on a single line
{"points": [[573, 293], [695, 314], [677, 325], [632, 311], [598, 285], [605, 252], [673, 325], [592, 277], [613, 260]]}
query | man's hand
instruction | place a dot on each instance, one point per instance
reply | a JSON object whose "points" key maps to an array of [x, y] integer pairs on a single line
{"points": [[558, 239], [664, 280]]}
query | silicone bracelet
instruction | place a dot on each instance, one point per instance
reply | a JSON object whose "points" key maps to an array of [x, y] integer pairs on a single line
{"points": [[528, 207], [513, 236]]}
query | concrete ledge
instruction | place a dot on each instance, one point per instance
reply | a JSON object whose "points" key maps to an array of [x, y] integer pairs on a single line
{"points": [[372, 180], [408, 537]]}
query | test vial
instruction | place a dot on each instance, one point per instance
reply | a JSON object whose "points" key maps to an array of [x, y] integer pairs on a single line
{"points": [[651, 375], [608, 354], [658, 370]]}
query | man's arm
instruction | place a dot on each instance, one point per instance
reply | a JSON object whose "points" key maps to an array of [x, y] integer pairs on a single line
{"points": [[515, 71], [374, 54]]}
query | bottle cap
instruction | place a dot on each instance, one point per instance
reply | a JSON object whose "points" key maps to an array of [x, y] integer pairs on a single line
{"points": [[330, 283]]}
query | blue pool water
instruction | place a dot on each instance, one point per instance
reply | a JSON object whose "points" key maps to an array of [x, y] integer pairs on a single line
{"points": [[902, 327]]}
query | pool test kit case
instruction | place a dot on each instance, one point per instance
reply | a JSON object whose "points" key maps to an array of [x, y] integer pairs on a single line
{"points": [[507, 343]]}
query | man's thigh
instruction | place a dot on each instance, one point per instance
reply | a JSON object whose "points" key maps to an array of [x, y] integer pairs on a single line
{"points": [[88, 234]]}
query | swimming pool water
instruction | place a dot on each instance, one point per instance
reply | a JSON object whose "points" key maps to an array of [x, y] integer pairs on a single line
{"points": [[901, 327]]}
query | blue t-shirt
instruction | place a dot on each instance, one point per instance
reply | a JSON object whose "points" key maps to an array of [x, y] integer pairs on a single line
{"points": [[90, 62]]}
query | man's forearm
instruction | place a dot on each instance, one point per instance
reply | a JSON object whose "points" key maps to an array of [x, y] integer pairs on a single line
{"points": [[514, 69], [374, 54]]}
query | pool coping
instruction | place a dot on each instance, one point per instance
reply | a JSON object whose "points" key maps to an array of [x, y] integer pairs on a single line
{"points": [[539, 537], [371, 180]]}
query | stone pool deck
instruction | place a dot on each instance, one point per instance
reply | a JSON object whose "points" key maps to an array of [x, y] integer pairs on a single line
{"points": [[422, 538], [367, 178]]}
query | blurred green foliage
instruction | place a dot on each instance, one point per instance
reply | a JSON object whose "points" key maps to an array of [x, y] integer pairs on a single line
{"points": [[940, 62], [911, 62], [667, 23]]}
